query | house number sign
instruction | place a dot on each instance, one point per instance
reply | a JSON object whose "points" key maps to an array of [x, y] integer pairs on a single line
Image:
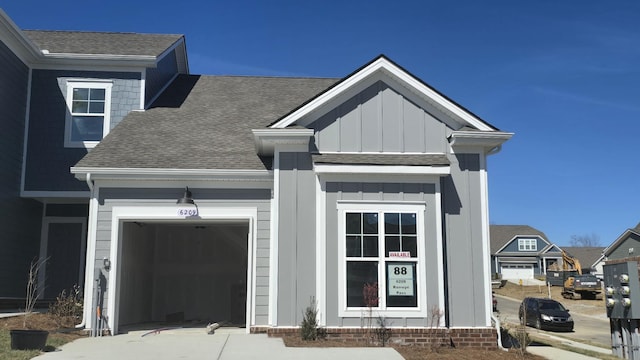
{"points": [[187, 212], [400, 278]]}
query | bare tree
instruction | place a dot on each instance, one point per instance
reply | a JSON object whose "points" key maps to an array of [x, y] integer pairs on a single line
{"points": [[592, 240]]}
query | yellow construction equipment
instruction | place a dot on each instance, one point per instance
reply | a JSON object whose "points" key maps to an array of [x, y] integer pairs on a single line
{"points": [[577, 285], [570, 263]]}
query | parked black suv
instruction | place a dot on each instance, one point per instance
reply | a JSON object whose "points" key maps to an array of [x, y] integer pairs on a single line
{"points": [[546, 314]]}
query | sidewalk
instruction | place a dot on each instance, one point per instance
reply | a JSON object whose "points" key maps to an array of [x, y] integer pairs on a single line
{"points": [[550, 352]]}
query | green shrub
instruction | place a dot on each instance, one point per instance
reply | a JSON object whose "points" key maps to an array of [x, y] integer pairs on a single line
{"points": [[310, 329]]}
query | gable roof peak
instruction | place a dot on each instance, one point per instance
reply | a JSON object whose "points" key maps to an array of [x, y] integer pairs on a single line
{"points": [[382, 67]]}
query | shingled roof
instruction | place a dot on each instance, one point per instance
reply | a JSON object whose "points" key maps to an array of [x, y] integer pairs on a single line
{"points": [[587, 255], [502, 234], [383, 159], [101, 43], [203, 122]]}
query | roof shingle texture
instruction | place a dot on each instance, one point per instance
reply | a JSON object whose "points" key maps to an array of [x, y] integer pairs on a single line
{"points": [[587, 255], [501, 234], [203, 122], [102, 43], [382, 159]]}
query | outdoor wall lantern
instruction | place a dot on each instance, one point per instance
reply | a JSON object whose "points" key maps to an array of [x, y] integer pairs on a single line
{"points": [[186, 198]]}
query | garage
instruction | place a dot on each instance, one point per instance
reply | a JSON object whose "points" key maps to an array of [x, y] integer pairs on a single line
{"points": [[516, 271], [191, 273]]}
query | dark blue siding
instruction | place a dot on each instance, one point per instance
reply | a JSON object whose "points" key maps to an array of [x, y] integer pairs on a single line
{"points": [[19, 218], [48, 161], [513, 246], [157, 78]]}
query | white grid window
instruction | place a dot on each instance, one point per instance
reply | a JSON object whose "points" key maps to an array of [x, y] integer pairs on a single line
{"points": [[382, 259], [88, 110], [527, 245]]}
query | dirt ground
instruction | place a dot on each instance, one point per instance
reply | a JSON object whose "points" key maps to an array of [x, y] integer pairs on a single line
{"points": [[60, 330], [587, 307]]}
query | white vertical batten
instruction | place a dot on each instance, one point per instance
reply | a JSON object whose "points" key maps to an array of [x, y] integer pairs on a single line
{"points": [[143, 87], [439, 249], [486, 251], [321, 253], [273, 248]]}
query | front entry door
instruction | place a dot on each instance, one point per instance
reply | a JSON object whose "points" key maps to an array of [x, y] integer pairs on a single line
{"points": [[65, 248]]}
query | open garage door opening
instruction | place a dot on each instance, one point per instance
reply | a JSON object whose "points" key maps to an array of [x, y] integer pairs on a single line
{"points": [[182, 274]]}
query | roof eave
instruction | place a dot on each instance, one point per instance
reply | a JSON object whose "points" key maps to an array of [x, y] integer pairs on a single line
{"points": [[266, 140], [143, 61], [485, 139], [101, 173]]}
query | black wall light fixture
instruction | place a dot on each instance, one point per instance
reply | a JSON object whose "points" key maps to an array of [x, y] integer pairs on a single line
{"points": [[186, 198]]}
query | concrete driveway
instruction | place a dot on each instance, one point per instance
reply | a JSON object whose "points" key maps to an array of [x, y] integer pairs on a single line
{"points": [[194, 343]]}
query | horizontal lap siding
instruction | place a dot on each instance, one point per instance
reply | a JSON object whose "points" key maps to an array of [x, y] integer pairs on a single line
{"points": [[379, 192], [206, 198], [21, 218]]}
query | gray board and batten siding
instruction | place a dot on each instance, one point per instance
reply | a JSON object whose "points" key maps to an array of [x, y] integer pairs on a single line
{"points": [[356, 191], [296, 237], [463, 243], [205, 198], [48, 161], [379, 119], [21, 218]]}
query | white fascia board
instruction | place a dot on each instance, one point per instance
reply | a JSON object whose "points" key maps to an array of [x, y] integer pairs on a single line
{"points": [[384, 65], [169, 174], [16, 41], [486, 139], [77, 60], [266, 140], [382, 170]]}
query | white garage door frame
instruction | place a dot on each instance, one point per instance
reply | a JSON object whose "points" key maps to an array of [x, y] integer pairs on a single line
{"points": [[519, 271], [121, 214]]}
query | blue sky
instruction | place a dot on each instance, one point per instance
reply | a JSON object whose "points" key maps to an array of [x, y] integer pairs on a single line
{"points": [[564, 76]]}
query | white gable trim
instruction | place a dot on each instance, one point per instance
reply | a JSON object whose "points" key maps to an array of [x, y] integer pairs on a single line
{"points": [[383, 65]]}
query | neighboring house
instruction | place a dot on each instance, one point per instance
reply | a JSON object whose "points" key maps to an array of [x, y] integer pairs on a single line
{"points": [[588, 257], [241, 198], [521, 252], [61, 93], [627, 245]]}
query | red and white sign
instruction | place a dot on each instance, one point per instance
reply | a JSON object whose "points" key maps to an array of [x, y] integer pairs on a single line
{"points": [[399, 254]]}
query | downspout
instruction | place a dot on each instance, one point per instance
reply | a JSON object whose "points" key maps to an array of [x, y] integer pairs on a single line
{"points": [[90, 185], [497, 322]]}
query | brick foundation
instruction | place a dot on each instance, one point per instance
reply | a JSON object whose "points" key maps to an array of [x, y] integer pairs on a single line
{"points": [[477, 338]]}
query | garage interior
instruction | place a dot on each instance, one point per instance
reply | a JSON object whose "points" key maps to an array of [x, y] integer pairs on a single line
{"points": [[193, 273]]}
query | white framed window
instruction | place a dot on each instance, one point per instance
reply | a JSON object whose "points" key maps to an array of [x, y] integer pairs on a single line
{"points": [[382, 259], [88, 112], [527, 245]]}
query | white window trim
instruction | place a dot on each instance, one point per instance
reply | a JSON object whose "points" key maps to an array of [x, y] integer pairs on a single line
{"points": [[106, 125], [419, 209], [529, 244]]}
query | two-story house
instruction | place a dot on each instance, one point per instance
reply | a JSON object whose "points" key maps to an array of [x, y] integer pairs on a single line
{"points": [[240, 198], [521, 252], [62, 92]]}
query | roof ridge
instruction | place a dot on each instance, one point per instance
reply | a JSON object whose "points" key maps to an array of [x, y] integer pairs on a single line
{"points": [[100, 32]]}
